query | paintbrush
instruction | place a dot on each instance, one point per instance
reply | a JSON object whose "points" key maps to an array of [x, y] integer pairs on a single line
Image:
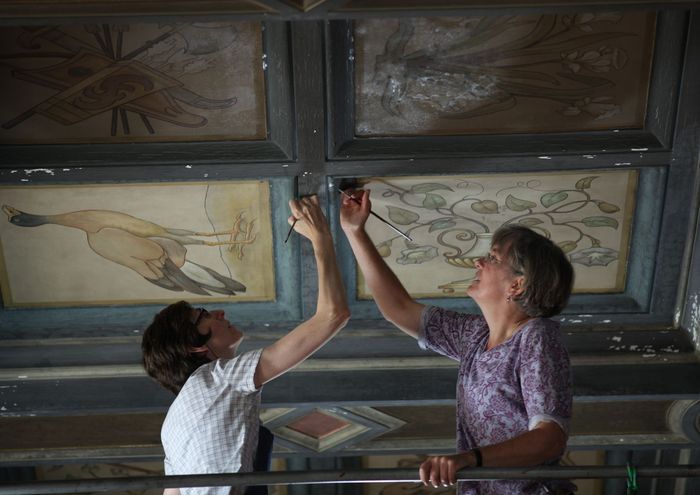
{"points": [[374, 214], [291, 229]]}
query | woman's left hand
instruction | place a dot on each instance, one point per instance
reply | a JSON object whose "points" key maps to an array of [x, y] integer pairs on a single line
{"points": [[442, 470]]}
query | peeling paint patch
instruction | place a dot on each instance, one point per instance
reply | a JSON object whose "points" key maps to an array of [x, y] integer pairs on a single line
{"points": [[188, 166], [694, 318], [616, 338], [639, 149], [620, 164], [29, 171], [544, 157], [606, 321]]}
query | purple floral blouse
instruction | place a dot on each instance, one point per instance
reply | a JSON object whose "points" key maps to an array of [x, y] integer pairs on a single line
{"points": [[505, 391]]}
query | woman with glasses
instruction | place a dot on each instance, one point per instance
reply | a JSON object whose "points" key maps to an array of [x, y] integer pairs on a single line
{"points": [[514, 390], [212, 425]]}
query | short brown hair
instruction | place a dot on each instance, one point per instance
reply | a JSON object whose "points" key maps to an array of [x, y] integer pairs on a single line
{"points": [[549, 276], [167, 344]]}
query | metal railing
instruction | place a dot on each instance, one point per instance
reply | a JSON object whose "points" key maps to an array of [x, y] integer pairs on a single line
{"points": [[331, 477]]}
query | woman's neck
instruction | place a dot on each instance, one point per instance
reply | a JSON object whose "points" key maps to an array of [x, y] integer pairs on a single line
{"points": [[503, 324]]}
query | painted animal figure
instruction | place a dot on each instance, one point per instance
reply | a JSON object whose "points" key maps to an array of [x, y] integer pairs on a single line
{"points": [[156, 253]]}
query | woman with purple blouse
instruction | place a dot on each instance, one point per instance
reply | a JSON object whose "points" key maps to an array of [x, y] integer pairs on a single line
{"points": [[514, 382]]}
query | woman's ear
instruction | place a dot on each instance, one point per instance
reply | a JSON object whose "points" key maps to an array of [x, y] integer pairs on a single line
{"points": [[517, 287]]}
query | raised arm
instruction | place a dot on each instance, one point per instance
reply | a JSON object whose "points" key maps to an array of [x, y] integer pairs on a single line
{"points": [[396, 305], [332, 311]]}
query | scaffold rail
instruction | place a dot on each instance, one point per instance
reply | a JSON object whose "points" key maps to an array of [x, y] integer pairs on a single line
{"points": [[336, 476]]}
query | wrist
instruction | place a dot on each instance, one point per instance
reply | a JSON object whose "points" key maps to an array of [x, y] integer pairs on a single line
{"points": [[477, 459]]}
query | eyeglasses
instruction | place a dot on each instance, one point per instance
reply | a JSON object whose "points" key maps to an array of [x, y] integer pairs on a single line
{"points": [[491, 259], [203, 313]]}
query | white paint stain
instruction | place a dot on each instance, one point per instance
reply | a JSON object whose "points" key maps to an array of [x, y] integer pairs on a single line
{"points": [[589, 156], [694, 318], [29, 171], [648, 355], [24, 180], [544, 157], [188, 166], [639, 149], [616, 339]]}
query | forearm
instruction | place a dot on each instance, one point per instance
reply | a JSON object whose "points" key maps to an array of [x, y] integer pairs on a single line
{"points": [[529, 449], [395, 303], [331, 303]]}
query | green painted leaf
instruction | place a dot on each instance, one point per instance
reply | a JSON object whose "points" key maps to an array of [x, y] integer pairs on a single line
{"points": [[553, 198], [517, 204], [585, 183], [567, 246], [434, 201], [429, 186], [600, 221], [607, 207], [384, 249], [529, 222], [402, 216], [442, 224], [486, 206]]}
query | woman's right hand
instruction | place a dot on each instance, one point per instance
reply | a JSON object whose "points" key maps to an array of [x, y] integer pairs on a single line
{"points": [[308, 218], [354, 214]]}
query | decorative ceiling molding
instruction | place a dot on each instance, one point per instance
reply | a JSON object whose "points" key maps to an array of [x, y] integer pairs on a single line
{"points": [[28, 10], [325, 429]]}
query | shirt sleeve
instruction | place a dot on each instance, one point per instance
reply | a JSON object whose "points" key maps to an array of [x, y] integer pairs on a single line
{"points": [[447, 332], [239, 372], [545, 377]]}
